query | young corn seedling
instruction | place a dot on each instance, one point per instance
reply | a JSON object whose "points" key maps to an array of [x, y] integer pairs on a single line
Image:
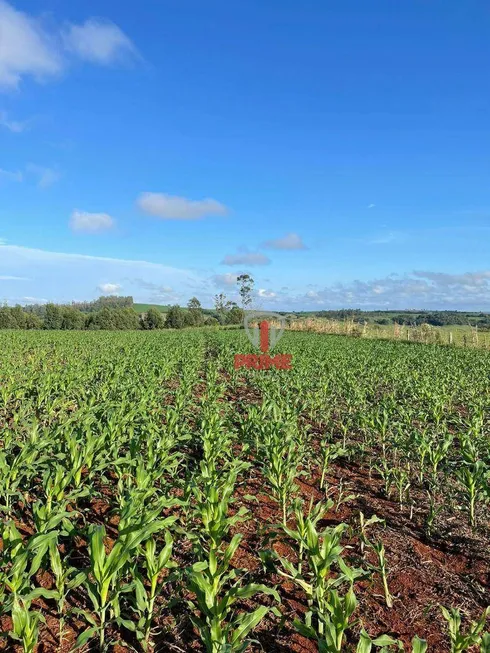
{"points": [[155, 563], [401, 477], [213, 498], [299, 534], [216, 592], [474, 477], [473, 637], [20, 562], [386, 643], [434, 511], [282, 459], [363, 526], [332, 624], [104, 580], [25, 625], [379, 549], [323, 553], [438, 453], [66, 579], [330, 452]]}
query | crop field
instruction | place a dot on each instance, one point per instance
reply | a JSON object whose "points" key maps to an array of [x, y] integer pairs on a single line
{"points": [[153, 498]]}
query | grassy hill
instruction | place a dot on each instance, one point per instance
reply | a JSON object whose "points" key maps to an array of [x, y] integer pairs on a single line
{"points": [[143, 308]]}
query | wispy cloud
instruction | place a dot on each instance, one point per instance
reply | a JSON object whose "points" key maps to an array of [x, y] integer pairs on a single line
{"points": [[387, 238], [9, 175], [70, 276], [99, 41], [289, 242], [27, 49], [418, 290], [30, 49], [246, 258], [371, 206], [14, 126], [227, 280], [7, 277], [91, 223], [45, 176], [171, 207]]}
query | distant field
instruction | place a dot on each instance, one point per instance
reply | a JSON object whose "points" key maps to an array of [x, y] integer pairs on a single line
{"points": [[143, 308]]}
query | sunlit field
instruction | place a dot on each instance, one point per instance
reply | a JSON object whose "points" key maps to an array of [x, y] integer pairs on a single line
{"points": [[153, 498]]}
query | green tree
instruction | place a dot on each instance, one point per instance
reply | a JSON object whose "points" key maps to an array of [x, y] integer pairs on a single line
{"points": [[152, 319], [235, 315], [196, 317], [33, 321], [20, 317], [71, 319], [176, 318], [245, 288], [222, 305], [53, 317], [7, 320]]}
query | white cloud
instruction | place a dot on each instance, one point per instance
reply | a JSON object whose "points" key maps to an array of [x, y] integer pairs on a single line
{"points": [[109, 288], [14, 126], [290, 241], [170, 207], [45, 176], [29, 49], [418, 290], [34, 300], [266, 294], [226, 280], [26, 48], [7, 277], [371, 206], [246, 258], [91, 223], [11, 176], [98, 41]]}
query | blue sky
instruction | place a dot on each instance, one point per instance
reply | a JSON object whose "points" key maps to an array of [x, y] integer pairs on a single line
{"points": [[337, 151]]}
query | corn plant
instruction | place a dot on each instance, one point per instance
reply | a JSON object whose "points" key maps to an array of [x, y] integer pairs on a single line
{"points": [[330, 452], [66, 578], [104, 580], [213, 496], [280, 468], [463, 641], [217, 589], [25, 624], [379, 549], [323, 552], [154, 565]]}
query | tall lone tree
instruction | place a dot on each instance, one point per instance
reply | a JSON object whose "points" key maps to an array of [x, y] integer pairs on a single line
{"points": [[245, 288], [196, 317]]}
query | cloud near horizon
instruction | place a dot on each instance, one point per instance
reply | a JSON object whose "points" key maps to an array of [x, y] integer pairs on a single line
{"points": [[40, 272], [82, 275], [109, 288], [422, 290]]}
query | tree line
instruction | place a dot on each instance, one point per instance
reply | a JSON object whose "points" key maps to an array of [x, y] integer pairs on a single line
{"points": [[114, 317], [116, 313]]}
